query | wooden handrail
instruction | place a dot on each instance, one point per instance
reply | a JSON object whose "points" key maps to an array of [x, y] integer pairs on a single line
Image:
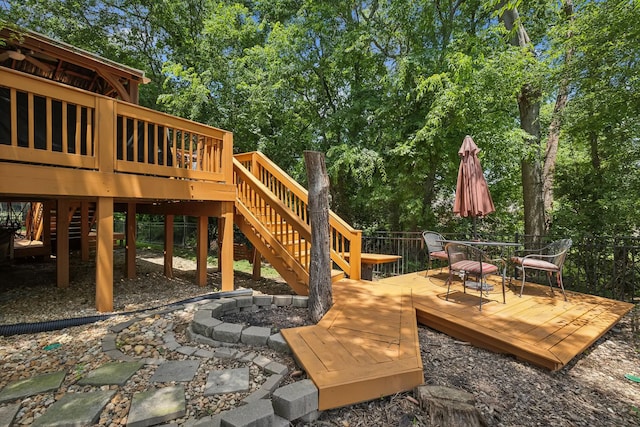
{"points": [[346, 242], [53, 124]]}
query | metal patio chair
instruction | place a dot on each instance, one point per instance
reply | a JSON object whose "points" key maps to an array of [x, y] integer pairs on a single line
{"points": [[435, 248], [470, 261], [550, 259]]}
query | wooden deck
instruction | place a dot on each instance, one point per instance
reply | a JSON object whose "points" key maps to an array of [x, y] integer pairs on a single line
{"points": [[367, 346]]}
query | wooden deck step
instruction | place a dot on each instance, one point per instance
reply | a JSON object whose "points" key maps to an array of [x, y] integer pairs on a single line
{"points": [[353, 357]]}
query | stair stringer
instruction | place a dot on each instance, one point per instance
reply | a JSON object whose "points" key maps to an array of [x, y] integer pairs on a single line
{"points": [[272, 256], [266, 177]]}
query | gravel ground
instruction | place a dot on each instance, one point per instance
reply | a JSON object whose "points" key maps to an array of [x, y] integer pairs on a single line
{"points": [[591, 391]]}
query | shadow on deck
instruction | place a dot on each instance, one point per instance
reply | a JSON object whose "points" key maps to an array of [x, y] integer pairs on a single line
{"points": [[367, 344]]}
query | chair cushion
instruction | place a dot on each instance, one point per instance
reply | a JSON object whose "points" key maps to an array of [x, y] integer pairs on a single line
{"points": [[538, 264], [439, 255], [474, 267]]}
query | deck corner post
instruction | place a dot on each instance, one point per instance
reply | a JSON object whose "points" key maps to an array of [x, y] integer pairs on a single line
{"points": [[226, 248], [106, 134], [227, 157], [355, 259]]}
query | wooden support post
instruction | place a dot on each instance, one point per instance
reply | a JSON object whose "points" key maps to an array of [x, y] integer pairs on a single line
{"points": [[104, 255], [84, 230], [130, 238], [62, 243], [219, 242], [202, 249], [168, 245], [320, 292], [46, 225], [226, 250]]}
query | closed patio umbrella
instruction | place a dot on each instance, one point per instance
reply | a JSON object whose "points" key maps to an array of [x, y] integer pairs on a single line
{"points": [[472, 192]]}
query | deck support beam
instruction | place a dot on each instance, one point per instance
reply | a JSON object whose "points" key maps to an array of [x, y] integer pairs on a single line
{"points": [[62, 243], [84, 230], [104, 255], [168, 245], [130, 251], [202, 249]]}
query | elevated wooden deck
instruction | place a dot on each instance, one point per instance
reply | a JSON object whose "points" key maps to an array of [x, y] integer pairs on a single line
{"points": [[367, 346]]}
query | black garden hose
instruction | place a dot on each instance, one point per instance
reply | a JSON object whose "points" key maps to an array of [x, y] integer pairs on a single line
{"points": [[54, 325]]}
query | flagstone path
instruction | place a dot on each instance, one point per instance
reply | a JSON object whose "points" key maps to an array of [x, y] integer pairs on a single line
{"points": [[166, 403]]}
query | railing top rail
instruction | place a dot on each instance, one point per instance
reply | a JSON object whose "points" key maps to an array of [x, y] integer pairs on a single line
{"points": [[303, 228], [298, 189]]}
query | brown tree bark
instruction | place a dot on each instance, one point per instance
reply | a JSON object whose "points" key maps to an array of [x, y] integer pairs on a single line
{"points": [[320, 292], [529, 106]]}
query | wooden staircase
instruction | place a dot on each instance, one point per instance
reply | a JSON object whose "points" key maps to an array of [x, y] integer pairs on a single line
{"points": [[41, 229], [271, 211]]}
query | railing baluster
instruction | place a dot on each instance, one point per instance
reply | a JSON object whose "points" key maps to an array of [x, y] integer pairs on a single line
{"points": [[49, 132], [78, 135], [30, 122]]}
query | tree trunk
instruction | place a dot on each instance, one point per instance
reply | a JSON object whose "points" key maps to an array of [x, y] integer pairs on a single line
{"points": [[534, 224], [529, 106], [320, 293]]}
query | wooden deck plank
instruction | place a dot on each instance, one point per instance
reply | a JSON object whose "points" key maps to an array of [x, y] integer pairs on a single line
{"points": [[366, 350], [319, 340], [518, 325]]}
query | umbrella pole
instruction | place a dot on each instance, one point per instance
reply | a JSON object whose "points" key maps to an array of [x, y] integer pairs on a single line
{"points": [[475, 233]]}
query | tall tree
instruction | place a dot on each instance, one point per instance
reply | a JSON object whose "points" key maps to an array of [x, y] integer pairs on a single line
{"points": [[529, 107]]}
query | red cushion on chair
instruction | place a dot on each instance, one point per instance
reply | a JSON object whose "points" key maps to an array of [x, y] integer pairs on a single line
{"points": [[536, 263], [474, 267], [439, 255]]}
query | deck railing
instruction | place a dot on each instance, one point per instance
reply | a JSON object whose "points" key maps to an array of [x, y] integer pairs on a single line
{"points": [[295, 198], [48, 123], [277, 226]]}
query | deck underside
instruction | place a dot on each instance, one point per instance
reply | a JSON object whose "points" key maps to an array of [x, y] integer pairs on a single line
{"points": [[367, 344]]}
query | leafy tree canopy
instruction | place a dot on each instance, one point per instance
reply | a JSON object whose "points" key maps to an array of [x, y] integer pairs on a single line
{"points": [[388, 90]]}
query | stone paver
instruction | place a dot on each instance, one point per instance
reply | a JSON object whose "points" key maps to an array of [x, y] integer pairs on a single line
{"points": [[76, 409], [227, 381], [111, 373], [176, 370], [157, 406], [8, 413], [31, 386]]}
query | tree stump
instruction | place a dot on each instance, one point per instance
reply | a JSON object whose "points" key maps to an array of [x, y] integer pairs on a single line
{"points": [[449, 406]]}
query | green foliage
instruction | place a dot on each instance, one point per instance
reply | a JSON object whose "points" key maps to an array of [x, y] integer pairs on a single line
{"points": [[388, 90]]}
